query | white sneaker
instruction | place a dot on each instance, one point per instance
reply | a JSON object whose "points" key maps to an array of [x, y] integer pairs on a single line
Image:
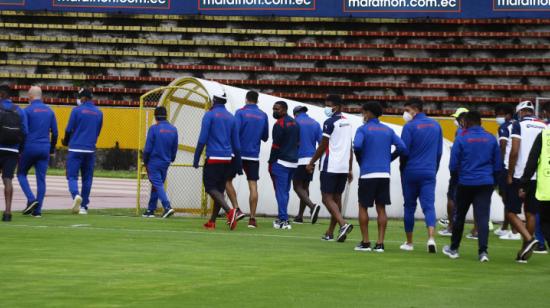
{"points": [[500, 232], [83, 211], [407, 247], [445, 232], [431, 246], [77, 201], [511, 236], [470, 236]]}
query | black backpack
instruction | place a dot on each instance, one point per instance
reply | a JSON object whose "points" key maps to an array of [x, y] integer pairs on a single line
{"points": [[11, 128]]}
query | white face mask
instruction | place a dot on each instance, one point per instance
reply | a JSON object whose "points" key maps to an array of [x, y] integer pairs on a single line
{"points": [[407, 116], [500, 120], [456, 123], [78, 102], [328, 111]]}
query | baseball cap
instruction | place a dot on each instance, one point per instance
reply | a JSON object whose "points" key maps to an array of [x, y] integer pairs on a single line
{"points": [[84, 93], [299, 109], [525, 105], [459, 112]]}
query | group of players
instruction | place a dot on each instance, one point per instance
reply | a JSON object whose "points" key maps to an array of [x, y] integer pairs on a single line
{"points": [[232, 146]]}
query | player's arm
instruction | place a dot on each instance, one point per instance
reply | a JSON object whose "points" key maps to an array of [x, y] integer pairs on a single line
{"points": [[265, 133], [514, 152], [497, 162], [69, 129], [278, 137], [503, 136], [100, 126], [350, 172], [203, 138], [439, 148], [236, 147], [328, 129], [358, 145], [400, 148], [407, 140], [175, 146], [532, 162], [54, 133], [454, 162], [149, 143]]}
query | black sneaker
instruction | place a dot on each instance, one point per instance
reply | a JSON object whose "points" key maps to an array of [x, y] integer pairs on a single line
{"points": [[168, 212], [540, 249], [327, 238], [344, 231], [6, 217], [240, 215], [298, 220], [148, 214], [30, 207], [363, 247], [315, 214], [379, 247], [527, 249]]}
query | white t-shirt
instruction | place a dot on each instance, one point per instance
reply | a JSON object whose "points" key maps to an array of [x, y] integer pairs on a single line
{"points": [[339, 131], [527, 130]]}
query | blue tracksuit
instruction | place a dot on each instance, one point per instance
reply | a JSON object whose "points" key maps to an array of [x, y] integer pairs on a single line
{"points": [[424, 140], [8, 104], [310, 135], [84, 127], [38, 146], [160, 150], [253, 128], [372, 146], [284, 160], [476, 161]]}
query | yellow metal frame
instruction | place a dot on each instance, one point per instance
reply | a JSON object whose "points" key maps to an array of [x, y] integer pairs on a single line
{"points": [[167, 93]]}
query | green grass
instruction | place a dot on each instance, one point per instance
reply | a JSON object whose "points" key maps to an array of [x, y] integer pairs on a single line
{"points": [[100, 173], [111, 259]]}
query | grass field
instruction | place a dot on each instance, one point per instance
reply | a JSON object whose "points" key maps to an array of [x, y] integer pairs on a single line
{"points": [[111, 259]]}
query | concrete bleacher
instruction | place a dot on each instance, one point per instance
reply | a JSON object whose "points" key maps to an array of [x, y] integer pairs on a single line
{"points": [[447, 62]]}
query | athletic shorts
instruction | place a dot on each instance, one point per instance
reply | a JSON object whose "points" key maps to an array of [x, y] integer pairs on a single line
{"points": [[8, 163], [333, 183], [214, 176], [301, 174], [531, 203], [373, 191], [513, 201], [250, 167], [502, 183]]}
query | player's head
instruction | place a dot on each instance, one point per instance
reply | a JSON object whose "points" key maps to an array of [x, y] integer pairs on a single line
{"points": [[459, 115], [160, 113], [35, 92], [280, 109], [84, 95], [219, 99], [5, 91], [333, 104], [252, 97], [372, 110], [412, 107], [504, 112], [472, 118], [299, 110], [525, 109]]}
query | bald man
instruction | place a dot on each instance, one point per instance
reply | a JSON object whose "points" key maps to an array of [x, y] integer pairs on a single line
{"points": [[39, 145]]}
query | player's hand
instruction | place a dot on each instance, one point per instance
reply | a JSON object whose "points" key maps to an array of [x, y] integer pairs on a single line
{"points": [[310, 168], [196, 164], [350, 177], [509, 179], [240, 171], [522, 193]]}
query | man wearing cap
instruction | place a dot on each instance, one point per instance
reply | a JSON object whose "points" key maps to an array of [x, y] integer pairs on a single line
{"points": [[160, 151], [310, 135], [524, 133], [81, 133], [253, 128], [39, 145], [13, 130], [220, 134]]}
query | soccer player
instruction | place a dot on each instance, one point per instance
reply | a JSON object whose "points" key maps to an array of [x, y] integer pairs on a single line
{"points": [[253, 129], [505, 118], [39, 145], [373, 149], [524, 133], [283, 160], [13, 129], [310, 135], [83, 129], [336, 155], [160, 151], [424, 140], [476, 162], [220, 134]]}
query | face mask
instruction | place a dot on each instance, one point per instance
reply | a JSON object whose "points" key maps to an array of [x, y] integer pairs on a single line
{"points": [[276, 115], [407, 116], [329, 112], [500, 120], [457, 124], [78, 102]]}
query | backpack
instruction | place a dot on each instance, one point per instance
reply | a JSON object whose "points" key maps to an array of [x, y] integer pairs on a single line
{"points": [[11, 130]]}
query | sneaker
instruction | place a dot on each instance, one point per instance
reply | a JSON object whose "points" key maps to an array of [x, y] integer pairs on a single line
{"points": [[407, 247], [471, 236], [527, 249], [344, 231], [510, 236], [77, 201], [379, 247], [83, 211], [499, 232], [444, 222], [445, 232], [232, 219], [327, 238], [168, 212], [483, 257], [240, 214], [453, 254], [491, 225], [431, 246], [6, 217], [210, 225], [315, 214], [298, 220], [148, 214], [30, 207], [285, 225], [520, 260], [363, 247], [540, 249], [277, 224], [36, 215], [252, 223]]}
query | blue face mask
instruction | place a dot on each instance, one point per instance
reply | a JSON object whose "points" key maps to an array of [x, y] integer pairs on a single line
{"points": [[328, 111], [500, 120]]}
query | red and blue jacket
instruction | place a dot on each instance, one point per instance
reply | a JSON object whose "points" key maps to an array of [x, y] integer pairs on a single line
{"points": [[253, 128], [286, 141], [162, 144], [310, 135], [423, 139], [84, 127], [42, 123]]}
